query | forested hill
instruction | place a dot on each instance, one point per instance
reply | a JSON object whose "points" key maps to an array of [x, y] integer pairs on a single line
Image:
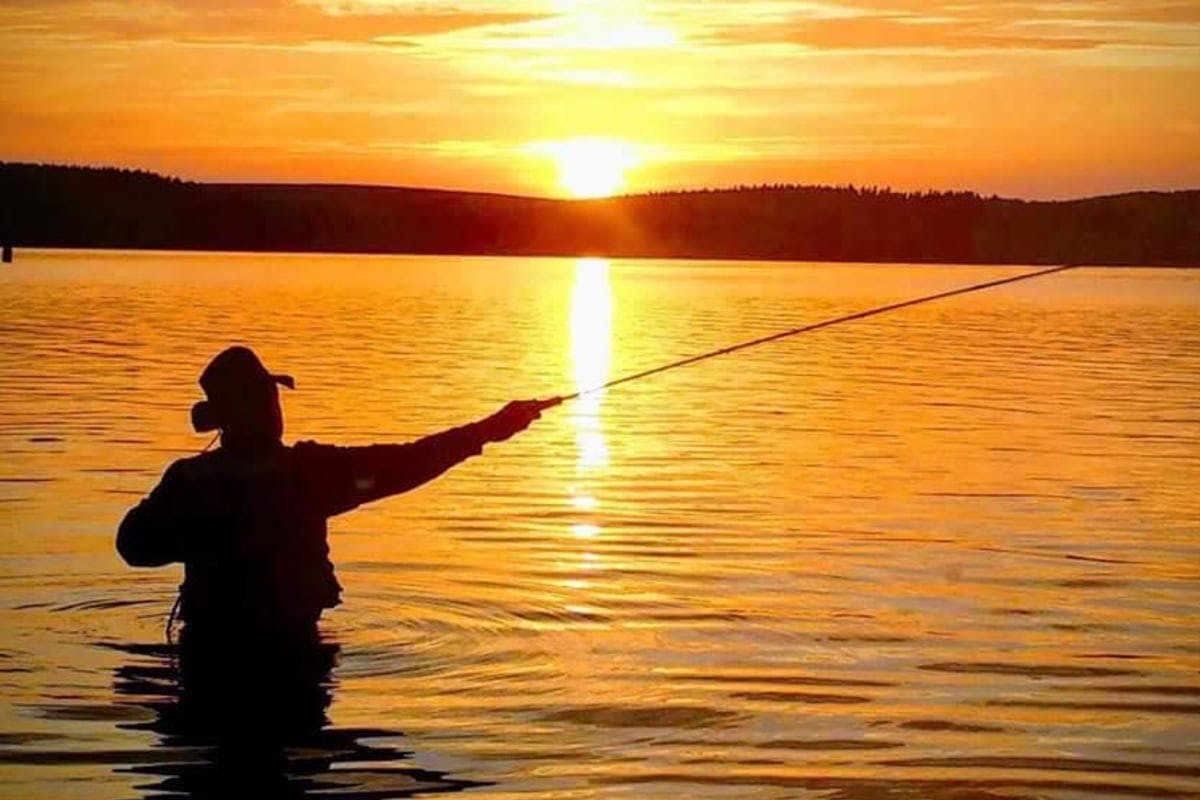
{"points": [[56, 206]]}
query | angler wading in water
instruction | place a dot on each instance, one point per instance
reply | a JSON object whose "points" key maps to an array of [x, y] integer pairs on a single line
{"points": [[248, 519]]}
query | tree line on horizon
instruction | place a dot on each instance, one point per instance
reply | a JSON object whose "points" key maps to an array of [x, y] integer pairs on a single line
{"points": [[45, 205]]}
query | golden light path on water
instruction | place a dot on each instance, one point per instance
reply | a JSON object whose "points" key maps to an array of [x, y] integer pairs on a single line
{"points": [[591, 355], [944, 553]]}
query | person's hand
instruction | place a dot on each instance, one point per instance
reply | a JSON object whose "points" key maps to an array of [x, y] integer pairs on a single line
{"points": [[515, 417]]}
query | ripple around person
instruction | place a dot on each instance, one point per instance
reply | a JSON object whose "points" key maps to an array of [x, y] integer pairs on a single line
{"points": [[230, 727]]}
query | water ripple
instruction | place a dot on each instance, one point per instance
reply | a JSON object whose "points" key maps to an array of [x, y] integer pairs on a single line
{"points": [[948, 554]]}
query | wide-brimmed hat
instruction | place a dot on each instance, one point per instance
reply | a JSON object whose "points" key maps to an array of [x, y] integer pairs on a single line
{"points": [[234, 375]]}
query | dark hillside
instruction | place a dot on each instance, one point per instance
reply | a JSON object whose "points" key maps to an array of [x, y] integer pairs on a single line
{"points": [[56, 206]]}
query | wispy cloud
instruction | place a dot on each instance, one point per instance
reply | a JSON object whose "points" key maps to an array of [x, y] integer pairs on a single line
{"points": [[265, 22], [909, 26]]}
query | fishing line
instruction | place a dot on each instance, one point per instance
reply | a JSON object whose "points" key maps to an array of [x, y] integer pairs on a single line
{"points": [[871, 312]]}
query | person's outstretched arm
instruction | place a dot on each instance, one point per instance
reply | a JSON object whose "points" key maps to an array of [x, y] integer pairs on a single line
{"points": [[347, 477]]}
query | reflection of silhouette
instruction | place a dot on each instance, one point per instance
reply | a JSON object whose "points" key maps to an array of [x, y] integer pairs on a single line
{"points": [[245, 720]]}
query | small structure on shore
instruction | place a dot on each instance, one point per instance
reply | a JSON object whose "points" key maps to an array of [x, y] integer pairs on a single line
{"points": [[7, 254]]}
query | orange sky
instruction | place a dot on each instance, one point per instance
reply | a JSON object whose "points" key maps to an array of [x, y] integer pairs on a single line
{"points": [[561, 97]]}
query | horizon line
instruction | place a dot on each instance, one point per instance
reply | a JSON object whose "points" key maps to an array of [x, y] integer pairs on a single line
{"points": [[581, 200]]}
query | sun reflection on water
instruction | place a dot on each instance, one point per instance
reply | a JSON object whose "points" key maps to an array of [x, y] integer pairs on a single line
{"points": [[591, 351]]}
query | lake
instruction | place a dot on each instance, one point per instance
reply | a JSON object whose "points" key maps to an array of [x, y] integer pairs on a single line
{"points": [[949, 552]]}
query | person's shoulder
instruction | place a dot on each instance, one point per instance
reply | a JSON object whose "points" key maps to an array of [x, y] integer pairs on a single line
{"points": [[309, 446], [191, 467], [309, 450]]}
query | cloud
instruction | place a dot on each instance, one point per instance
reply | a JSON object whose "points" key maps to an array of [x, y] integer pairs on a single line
{"points": [[874, 33], [909, 25], [264, 22]]}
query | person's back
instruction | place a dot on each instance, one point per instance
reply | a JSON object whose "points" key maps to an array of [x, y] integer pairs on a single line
{"points": [[250, 528], [248, 520]]}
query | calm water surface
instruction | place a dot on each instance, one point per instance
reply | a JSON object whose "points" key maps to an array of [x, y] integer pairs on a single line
{"points": [[953, 552]]}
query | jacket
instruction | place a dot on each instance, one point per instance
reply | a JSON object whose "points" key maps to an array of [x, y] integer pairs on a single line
{"points": [[250, 524]]}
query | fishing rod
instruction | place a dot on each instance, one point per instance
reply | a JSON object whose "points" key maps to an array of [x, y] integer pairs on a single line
{"points": [[816, 326]]}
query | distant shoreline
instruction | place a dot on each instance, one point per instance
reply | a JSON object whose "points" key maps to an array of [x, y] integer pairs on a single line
{"points": [[150, 251], [109, 209]]}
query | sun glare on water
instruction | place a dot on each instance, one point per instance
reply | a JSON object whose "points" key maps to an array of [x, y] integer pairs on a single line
{"points": [[592, 167]]}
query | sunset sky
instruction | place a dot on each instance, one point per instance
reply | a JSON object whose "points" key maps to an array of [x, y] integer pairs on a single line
{"points": [[575, 98]]}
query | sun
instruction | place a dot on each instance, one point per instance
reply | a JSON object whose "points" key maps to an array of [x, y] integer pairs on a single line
{"points": [[592, 167]]}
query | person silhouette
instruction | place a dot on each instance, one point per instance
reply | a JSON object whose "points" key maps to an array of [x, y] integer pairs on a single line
{"points": [[248, 520]]}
